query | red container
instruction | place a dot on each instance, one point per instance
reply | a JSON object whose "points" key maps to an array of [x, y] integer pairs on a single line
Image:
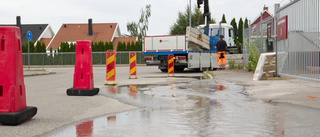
{"points": [[12, 89], [83, 74], [133, 65], [13, 109], [111, 68], [171, 65]]}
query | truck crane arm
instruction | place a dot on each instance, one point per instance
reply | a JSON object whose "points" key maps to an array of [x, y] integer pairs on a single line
{"points": [[206, 13]]}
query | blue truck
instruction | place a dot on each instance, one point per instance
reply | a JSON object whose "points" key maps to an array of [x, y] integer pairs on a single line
{"points": [[194, 50]]}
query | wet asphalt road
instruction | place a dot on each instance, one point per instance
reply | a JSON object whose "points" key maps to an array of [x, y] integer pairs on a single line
{"points": [[195, 108]]}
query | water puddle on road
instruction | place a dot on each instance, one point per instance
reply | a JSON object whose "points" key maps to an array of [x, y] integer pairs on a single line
{"points": [[196, 108]]}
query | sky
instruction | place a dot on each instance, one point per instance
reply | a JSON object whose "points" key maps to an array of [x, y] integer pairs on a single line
{"points": [[163, 12]]}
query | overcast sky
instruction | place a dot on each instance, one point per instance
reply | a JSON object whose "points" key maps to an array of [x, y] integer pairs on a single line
{"points": [[163, 12]]}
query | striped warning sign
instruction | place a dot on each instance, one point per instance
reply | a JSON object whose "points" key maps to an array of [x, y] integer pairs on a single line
{"points": [[133, 65], [111, 68], [171, 65]]}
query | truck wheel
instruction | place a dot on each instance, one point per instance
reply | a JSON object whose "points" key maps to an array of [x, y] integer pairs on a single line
{"points": [[164, 70], [179, 69]]}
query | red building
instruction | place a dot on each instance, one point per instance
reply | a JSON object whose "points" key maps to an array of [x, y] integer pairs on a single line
{"points": [[266, 18]]}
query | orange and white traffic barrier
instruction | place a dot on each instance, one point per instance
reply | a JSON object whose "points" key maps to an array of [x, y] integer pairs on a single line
{"points": [[111, 68], [133, 65], [13, 108], [171, 65]]}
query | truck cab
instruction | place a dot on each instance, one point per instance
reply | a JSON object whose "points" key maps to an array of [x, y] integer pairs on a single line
{"points": [[215, 30]]}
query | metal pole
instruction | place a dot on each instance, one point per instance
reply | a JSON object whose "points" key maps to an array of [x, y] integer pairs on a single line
{"points": [[243, 39], [276, 9], [28, 56], [261, 47], [190, 13], [189, 22]]}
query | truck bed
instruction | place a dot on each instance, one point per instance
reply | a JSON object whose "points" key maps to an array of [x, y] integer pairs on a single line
{"points": [[176, 44], [165, 44]]}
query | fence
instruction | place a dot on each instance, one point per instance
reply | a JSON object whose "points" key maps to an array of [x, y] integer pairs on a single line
{"points": [[298, 55], [68, 58], [255, 37]]}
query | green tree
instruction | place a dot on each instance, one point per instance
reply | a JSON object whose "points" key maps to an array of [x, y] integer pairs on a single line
{"points": [[106, 45], [140, 28], [24, 49], [43, 47], [129, 48], [254, 54], [92, 44], [64, 47], [240, 29], [132, 27], [95, 47], [31, 46], [100, 46], [119, 46], [72, 47], [124, 46], [233, 23], [246, 24], [132, 45], [38, 47], [179, 27], [67, 47], [138, 46], [110, 46], [223, 20]]}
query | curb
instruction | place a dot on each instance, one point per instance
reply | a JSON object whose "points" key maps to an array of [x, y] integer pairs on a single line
{"points": [[41, 73], [208, 75]]}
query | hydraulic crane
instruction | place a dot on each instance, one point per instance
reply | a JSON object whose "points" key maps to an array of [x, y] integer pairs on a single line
{"points": [[206, 13]]}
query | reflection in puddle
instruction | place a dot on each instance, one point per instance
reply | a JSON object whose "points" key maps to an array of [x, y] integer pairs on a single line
{"points": [[112, 118], [133, 91], [198, 108], [85, 129]]}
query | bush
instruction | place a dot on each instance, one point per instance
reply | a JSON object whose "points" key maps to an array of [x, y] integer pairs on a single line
{"points": [[253, 55], [233, 65]]}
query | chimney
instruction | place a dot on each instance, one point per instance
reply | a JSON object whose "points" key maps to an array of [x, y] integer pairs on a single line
{"points": [[19, 22], [90, 33], [265, 8]]}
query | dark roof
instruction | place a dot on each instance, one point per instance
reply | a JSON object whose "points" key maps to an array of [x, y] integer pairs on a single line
{"points": [[36, 30]]}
